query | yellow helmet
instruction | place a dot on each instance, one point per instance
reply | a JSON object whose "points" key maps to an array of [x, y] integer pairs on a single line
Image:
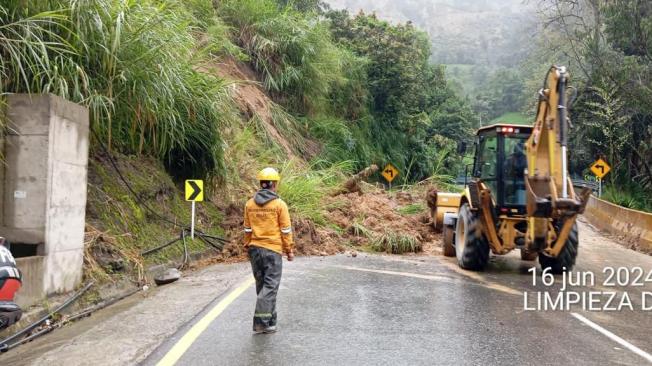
{"points": [[270, 174]]}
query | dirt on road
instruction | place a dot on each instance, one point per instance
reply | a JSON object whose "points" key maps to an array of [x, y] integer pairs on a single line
{"points": [[362, 216], [354, 220]]}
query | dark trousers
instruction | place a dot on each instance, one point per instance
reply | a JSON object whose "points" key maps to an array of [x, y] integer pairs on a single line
{"points": [[267, 267]]}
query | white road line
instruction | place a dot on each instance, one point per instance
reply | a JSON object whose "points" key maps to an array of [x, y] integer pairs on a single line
{"points": [[406, 274], [486, 284], [614, 337]]}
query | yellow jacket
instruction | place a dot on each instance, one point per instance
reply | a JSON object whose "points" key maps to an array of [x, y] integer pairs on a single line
{"points": [[267, 223]]}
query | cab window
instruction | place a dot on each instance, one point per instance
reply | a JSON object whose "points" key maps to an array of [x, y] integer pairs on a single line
{"points": [[514, 167], [486, 162]]}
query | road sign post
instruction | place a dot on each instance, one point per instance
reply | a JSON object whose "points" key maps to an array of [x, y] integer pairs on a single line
{"points": [[194, 193], [389, 173], [192, 220], [600, 168]]}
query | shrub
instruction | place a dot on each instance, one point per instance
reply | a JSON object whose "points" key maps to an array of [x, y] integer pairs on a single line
{"points": [[304, 188], [396, 243], [132, 63], [628, 195], [293, 52]]}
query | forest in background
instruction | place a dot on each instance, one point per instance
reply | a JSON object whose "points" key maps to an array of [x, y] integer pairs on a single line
{"points": [[605, 44], [361, 88]]}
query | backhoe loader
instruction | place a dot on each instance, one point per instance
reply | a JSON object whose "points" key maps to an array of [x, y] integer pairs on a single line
{"points": [[520, 195]]}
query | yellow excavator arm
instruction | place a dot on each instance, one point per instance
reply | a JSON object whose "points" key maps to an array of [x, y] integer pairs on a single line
{"points": [[552, 204]]}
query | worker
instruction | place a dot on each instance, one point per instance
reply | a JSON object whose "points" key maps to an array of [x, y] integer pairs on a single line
{"points": [[268, 234], [515, 174], [10, 282]]}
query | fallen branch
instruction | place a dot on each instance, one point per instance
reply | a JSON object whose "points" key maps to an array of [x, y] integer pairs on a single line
{"points": [[353, 184]]}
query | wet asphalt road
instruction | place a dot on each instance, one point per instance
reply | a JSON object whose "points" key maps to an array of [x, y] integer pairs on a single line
{"points": [[382, 310], [368, 310]]}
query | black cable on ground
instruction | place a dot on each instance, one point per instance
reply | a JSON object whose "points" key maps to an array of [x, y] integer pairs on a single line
{"points": [[4, 344], [156, 249], [82, 314], [128, 185], [186, 258], [146, 206]]}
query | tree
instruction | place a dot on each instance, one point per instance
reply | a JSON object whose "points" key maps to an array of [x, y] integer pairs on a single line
{"points": [[608, 45]]}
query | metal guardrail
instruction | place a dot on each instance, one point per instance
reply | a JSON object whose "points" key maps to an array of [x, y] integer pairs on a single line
{"points": [[580, 183]]}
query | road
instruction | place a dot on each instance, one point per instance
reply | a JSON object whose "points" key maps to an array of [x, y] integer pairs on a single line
{"points": [[369, 310]]}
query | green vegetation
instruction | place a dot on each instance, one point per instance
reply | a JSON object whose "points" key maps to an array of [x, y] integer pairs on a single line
{"points": [[362, 87], [359, 230], [630, 196], [133, 64], [607, 45], [345, 88], [292, 53], [304, 188], [119, 227], [412, 209], [410, 101], [395, 243], [513, 118]]}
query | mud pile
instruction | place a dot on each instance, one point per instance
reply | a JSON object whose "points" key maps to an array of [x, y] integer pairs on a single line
{"points": [[374, 211], [354, 220]]}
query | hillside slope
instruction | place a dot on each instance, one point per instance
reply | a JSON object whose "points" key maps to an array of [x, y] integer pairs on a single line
{"points": [[122, 223]]}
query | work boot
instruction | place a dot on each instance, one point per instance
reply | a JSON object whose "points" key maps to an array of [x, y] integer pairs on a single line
{"points": [[259, 328], [270, 329]]}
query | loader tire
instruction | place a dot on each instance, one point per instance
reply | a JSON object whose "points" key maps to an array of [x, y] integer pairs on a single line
{"points": [[566, 258], [448, 244], [471, 248]]}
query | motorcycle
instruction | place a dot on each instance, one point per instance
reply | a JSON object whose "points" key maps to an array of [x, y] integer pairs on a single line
{"points": [[10, 283]]}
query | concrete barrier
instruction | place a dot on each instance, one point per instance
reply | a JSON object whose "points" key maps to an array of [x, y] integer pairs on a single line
{"points": [[635, 226], [43, 191], [32, 270]]}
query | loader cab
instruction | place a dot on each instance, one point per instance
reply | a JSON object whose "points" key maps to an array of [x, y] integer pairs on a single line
{"points": [[500, 162]]}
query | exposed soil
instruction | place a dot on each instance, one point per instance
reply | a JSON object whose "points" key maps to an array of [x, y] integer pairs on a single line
{"points": [[377, 210], [374, 209], [371, 208], [250, 97]]}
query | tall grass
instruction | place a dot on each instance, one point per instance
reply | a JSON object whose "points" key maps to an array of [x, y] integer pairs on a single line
{"points": [[342, 140], [305, 188], [33, 55], [132, 63], [395, 243], [293, 52]]}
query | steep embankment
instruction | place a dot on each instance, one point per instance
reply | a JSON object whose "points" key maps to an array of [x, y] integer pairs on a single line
{"points": [[134, 204]]}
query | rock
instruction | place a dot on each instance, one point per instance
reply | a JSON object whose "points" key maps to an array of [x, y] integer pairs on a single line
{"points": [[169, 276], [354, 254]]}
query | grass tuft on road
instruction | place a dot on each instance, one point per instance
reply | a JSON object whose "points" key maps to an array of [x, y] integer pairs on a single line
{"points": [[395, 243]]}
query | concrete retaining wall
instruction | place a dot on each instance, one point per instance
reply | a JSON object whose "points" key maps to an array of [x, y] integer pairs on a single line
{"points": [[44, 186], [635, 226], [33, 272]]}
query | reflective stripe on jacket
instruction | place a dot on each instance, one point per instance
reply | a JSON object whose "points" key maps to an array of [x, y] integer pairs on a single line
{"points": [[268, 225]]}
